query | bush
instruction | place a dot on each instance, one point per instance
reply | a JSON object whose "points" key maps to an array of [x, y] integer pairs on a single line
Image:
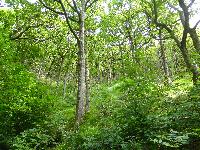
{"points": [[23, 102], [32, 139]]}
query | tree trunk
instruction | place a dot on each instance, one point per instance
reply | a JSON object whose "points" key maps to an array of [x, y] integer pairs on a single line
{"points": [[40, 72], [131, 46], [195, 39], [49, 70], [81, 95], [64, 86], [87, 103], [196, 43], [59, 72], [164, 60], [192, 68], [122, 61], [181, 44], [174, 55]]}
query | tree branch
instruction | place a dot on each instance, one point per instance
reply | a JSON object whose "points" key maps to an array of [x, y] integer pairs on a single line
{"points": [[185, 13], [181, 14], [74, 8], [196, 24], [50, 8], [22, 32], [62, 13], [155, 11], [170, 31], [172, 6], [67, 20], [162, 25], [191, 3]]}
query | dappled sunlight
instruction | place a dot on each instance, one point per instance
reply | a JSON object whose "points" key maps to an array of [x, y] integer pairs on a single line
{"points": [[179, 87]]}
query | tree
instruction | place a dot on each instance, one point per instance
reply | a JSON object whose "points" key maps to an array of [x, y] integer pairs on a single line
{"points": [[78, 7], [181, 44]]}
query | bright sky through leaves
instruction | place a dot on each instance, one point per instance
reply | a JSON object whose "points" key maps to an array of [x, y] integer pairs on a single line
{"points": [[193, 21]]}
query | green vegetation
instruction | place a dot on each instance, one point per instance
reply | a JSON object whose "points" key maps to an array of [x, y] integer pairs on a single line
{"points": [[123, 77]]}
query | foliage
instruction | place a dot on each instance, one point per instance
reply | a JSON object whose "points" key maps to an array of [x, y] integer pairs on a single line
{"points": [[135, 114], [32, 139], [131, 105]]}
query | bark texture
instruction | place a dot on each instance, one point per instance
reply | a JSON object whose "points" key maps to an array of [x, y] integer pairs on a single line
{"points": [[81, 95]]}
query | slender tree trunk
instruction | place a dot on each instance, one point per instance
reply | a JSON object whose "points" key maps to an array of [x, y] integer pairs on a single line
{"points": [[131, 46], [81, 95], [59, 71], [164, 60], [49, 70], [64, 86], [40, 71], [112, 64], [110, 72], [175, 61], [122, 60]]}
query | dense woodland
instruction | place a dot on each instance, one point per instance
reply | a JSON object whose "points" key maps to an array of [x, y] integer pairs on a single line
{"points": [[99, 75]]}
